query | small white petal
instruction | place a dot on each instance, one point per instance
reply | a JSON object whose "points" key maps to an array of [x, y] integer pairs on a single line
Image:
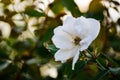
{"points": [[61, 39], [84, 44], [63, 55], [94, 27], [75, 59]]}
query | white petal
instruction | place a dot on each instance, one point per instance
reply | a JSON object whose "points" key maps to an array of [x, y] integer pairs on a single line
{"points": [[63, 55], [68, 20], [68, 25], [75, 59], [58, 30], [84, 44], [87, 26], [94, 27], [82, 27], [61, 39]]}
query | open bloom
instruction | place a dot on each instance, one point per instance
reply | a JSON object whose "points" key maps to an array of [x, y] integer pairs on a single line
{"points": [[74, 36]]}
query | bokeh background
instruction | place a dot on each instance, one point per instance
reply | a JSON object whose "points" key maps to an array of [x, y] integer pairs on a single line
{"points": [[26, 49]]}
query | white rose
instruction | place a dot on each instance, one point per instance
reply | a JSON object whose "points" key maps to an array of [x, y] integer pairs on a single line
{"points": [[74, 36]]}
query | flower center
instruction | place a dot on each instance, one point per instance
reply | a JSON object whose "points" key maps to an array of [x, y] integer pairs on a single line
{"points": [[77, 40]]}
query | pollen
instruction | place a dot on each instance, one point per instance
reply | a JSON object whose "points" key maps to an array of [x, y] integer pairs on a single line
{"points": [[77, 40]]}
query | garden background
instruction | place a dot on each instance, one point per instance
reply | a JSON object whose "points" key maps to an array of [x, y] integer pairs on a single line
{"points": [[26, 49]]}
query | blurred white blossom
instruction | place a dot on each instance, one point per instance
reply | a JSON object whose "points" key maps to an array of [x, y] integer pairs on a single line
{"points": [[5, 29], [32, 24], [43, 5], [74, 36], [29, 33], [83, 5], [113, 9], [2, 9], [18, 20], [19, 6], [48, 70], [115, 15]]}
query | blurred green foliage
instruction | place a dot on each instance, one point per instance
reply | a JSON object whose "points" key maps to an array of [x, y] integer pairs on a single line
{"points": [[29, 47]]}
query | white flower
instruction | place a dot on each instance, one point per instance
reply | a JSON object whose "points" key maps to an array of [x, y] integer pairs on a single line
{"points": [[114, 14], [83, 5], [48, 70], [19, 6], [5, 29], [74, 36], [30, 32]]}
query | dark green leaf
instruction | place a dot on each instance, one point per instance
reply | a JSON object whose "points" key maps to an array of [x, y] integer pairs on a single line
{"points": [[101, 74], [33, 71], [80, 65], [96, 10], [71, 6], [57, 7], [52, 48], [3, 54], [34, 13], [48, 35]]}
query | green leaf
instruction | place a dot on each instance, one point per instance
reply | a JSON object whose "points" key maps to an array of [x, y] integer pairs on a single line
{"points": [[71, 6], [96, 10], [101, 74], [80, 65], [33, 71], [3, 54], [5, 49], [50, 24], [115, 70], [101, 62], [9, 72], [34, 13], [114, 42], [52, 49], [33, 61], [57, 7], [48, 35], [43, 54], [4, 64], [67, 68]]}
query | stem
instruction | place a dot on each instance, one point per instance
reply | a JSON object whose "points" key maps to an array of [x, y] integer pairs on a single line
{"points": [[90, 53], [104, 74], [101, 66]]}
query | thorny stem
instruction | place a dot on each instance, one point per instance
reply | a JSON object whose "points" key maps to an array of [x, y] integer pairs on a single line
{"points": [[97, 61], [101, 66]]}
